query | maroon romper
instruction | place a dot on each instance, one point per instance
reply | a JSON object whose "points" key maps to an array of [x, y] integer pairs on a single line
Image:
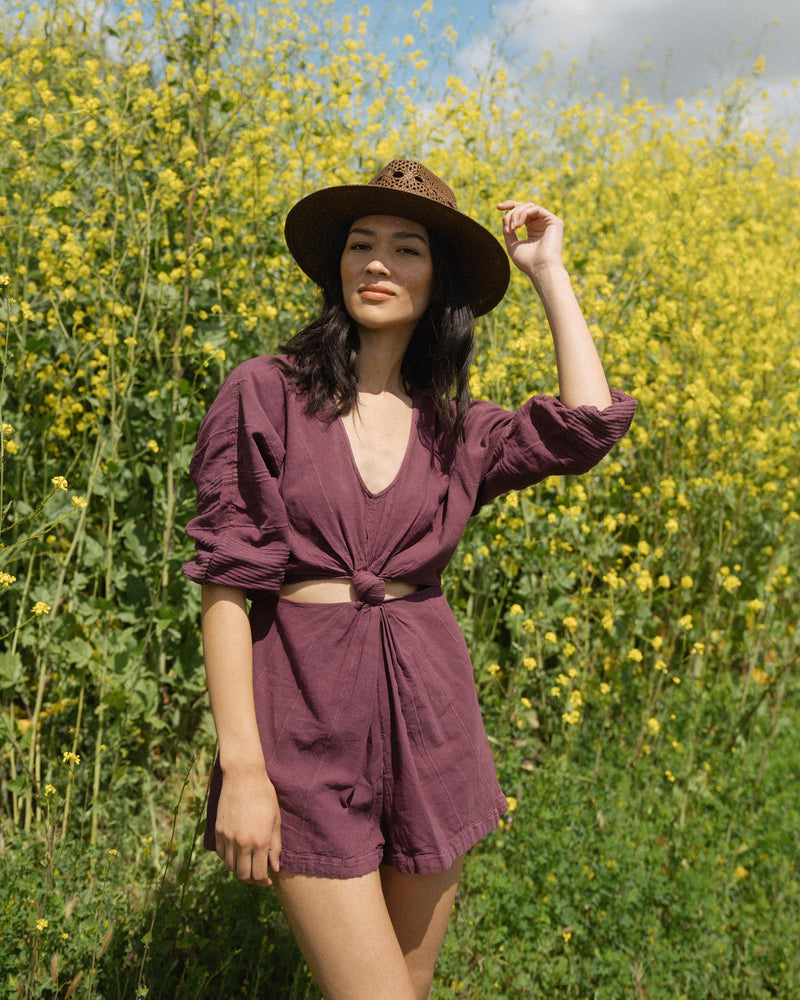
{"points": [[369, 722]]}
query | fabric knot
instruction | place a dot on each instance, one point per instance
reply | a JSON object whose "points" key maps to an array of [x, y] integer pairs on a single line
{"points": [[369, 588]]}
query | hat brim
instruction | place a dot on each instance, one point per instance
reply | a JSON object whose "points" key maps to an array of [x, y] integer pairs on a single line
{"points": [[316, 227]]}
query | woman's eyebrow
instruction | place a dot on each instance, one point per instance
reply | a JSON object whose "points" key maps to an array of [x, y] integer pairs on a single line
{"points": [[399, 235]]}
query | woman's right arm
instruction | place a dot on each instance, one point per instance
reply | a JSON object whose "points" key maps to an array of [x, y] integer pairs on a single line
{"points": [[247, 832]]}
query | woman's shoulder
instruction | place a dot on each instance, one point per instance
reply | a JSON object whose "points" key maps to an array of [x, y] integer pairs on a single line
{"points": [[255, 390], [267, 371]]}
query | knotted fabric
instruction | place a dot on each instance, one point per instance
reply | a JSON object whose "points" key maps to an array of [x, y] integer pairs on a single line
{"points": [[369, 588]]}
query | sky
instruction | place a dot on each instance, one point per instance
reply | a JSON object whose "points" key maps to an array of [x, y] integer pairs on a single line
{"points": [[688, 45]]}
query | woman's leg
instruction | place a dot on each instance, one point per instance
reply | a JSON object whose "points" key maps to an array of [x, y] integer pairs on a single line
{"points": [[346, 936], [420, 907], [371, 938]]}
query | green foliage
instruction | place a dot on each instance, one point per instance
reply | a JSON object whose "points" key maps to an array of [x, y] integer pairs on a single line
{"points": [[634, 630]]}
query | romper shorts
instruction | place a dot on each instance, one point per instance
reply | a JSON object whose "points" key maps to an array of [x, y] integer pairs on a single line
{"points": [[372, 735]]}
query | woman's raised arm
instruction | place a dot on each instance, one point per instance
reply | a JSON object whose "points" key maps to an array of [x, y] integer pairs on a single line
{"points": [[581, 378]]}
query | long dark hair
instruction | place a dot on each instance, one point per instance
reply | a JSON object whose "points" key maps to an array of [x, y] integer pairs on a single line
{"points": [[323, 354]]}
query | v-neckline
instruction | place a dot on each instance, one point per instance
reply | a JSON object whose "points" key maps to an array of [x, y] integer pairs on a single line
{"points": [[351, 454]]}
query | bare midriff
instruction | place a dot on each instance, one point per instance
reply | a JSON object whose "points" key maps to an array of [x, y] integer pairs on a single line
{"points": [[339, 591]]}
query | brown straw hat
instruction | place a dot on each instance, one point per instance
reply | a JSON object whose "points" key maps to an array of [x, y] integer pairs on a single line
{"points": [[317, 226]]}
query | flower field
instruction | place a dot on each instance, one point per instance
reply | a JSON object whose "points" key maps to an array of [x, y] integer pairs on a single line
{"points": [[634, 631]]}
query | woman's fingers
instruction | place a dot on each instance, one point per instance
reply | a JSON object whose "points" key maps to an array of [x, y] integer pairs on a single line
{"points": [[542, 241]]}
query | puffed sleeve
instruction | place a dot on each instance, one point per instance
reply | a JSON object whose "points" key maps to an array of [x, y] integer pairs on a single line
{"points": [[241, 526], [545, 438]]}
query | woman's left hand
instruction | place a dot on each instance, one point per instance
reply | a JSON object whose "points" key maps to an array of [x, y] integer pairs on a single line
{"points": [[544, 236]]}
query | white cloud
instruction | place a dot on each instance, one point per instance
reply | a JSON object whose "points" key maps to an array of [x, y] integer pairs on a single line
{"points": [[688, 44]]}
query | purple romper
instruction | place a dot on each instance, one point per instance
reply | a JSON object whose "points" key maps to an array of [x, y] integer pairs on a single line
{"points": [[367, 711]]}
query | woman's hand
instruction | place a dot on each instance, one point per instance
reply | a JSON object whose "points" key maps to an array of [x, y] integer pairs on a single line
{"points": [[248, 828], [541, 248]]}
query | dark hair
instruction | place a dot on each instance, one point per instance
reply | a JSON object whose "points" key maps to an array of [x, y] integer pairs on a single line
{"points": [[323, 354]]}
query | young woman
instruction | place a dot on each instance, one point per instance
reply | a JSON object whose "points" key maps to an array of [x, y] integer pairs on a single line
{"points": [[334, 483]]}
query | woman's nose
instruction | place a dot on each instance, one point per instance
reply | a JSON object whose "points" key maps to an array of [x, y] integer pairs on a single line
{"points": [[377, 267]]}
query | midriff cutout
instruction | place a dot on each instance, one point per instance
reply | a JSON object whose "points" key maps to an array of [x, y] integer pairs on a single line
{"points": [[338, 591]]}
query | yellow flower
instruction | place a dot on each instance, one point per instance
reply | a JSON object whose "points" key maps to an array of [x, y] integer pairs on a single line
{"points": [[6, 579], [636, 655], [515, 610], [687, 582], [79, 502], [49, 790], [653, 725], [59, 482], [512, 803], [740, 872], [70, 758], [41, 924], [570, 623], [40, 608]]}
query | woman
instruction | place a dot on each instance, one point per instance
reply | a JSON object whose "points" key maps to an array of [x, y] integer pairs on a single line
{"points": [[334, 483]]}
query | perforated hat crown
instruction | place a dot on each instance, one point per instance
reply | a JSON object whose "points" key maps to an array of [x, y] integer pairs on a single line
{"points": [[317, 225], [407, 175]]}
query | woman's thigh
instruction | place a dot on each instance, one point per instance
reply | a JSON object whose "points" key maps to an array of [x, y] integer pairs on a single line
{"points": [[346, 935], [419, 907]]}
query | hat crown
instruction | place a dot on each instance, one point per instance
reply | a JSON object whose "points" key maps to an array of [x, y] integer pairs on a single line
{"points": [[408, 175]]}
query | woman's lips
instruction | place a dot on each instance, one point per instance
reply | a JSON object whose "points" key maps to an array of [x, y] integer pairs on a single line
{"points": [[375, 294]]}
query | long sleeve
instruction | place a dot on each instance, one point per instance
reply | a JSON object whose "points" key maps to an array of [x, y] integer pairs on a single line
{"points": [[241, 524], [544, 438]]}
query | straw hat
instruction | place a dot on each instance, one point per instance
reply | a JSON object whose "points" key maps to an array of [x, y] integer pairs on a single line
{"points": [[318, 223]]}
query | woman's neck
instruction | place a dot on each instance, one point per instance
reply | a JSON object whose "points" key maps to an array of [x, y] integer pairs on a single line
{"points": [[379, 363]]}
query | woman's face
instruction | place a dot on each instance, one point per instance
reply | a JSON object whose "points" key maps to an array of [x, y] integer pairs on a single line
{"points": [[387, 273]]}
